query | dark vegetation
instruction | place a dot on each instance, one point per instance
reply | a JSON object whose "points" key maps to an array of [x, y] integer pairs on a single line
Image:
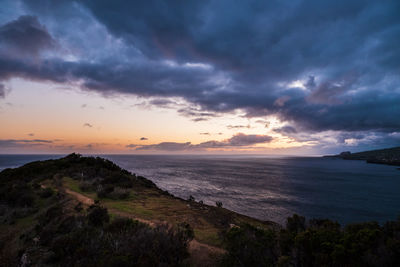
{"points": [[41, 226], [92, 240], [389, 156], [316, 243]]}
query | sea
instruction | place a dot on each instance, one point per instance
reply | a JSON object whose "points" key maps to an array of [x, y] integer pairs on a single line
{"points": [[267, 187]]}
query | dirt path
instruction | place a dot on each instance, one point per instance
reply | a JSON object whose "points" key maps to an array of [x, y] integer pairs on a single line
{"points": [[201, 254], [81, 198]]}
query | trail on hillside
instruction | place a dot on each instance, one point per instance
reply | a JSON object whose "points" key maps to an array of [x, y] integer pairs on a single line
{"points": [[201, 254], [81, 198]]}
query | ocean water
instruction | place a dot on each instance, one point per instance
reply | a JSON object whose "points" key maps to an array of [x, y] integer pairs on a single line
{"points": [[270, 188]]}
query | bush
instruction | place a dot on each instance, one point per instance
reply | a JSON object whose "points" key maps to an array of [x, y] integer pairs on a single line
{"points": [[296, 224], [123, 242], [250, 246], [17, 194], [85, 186], [46, 193], [103, 191], [117, 179], [186, 230], [97, 216], [26, 199], [35, 185], [78, 207], [119, 193], [321, 243], [218, 204]]}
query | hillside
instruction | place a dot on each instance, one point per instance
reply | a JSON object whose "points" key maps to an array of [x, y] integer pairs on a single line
{"points": [[390, 156], [86, 211], [74, 183]]}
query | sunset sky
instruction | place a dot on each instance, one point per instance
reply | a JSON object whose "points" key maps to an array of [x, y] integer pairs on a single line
{"points": [[256, 77]]}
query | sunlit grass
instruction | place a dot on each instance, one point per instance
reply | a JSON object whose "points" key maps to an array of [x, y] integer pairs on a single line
{"points": [[152, 205], [73, 185]]}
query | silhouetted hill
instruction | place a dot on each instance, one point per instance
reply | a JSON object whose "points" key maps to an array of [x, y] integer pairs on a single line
{"points": [[390, 156]]}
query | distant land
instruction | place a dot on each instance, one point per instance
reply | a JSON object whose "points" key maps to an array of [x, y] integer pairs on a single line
{"points": [[389, 156]]}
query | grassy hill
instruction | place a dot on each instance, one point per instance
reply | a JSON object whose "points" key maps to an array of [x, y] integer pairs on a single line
{"points": [[74, 183]]}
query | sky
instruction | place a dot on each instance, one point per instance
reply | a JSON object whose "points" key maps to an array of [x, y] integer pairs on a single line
{"points": [[284, 77]]}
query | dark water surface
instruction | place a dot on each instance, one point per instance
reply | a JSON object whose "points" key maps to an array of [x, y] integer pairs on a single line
{"points": [[270, 188]]}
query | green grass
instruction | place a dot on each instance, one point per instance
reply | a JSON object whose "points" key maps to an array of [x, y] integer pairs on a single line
{"points": [[150, 204], [74, 186], [128, 207], [208, 236]]}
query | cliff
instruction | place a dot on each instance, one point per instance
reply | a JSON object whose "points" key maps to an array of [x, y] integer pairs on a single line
{"points": [[390, 156]]}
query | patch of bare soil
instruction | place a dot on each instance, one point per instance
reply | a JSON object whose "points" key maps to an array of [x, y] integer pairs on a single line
{"points": [[81, 198]]}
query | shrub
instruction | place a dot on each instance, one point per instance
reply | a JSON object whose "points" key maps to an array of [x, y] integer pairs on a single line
{"points": [[296, 223], [123, 242], [186, 230], [218, 204], [97, 216], [78, 207], [103, 190], [35, 185], [121, 224], [119, 193], [118, 179], [17, 194], [46, 193], [85, 186], [250, 246]]}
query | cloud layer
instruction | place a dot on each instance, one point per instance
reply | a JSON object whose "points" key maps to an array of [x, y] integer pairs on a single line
{"points": [[317, 65], [236, 141]]}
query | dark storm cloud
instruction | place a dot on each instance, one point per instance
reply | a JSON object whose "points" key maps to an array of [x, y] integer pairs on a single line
{"points": [[319, 65], [143, 139], [286, 130], [238, 140], [25, 36]]}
